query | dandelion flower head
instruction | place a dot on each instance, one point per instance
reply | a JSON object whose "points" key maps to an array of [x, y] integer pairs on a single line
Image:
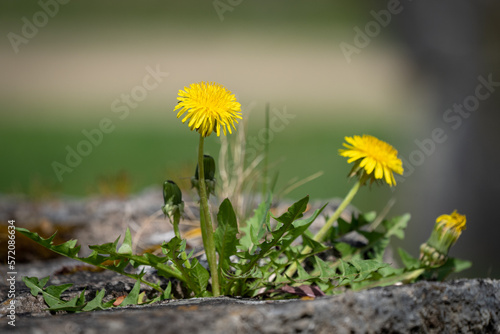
{"points": [[378, 159], [453, 222], [208, 107]]}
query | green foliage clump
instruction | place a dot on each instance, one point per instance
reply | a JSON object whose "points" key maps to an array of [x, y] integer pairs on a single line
{"points": [[253, 259]]}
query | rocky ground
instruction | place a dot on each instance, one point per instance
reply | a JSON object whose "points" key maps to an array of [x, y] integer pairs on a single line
{"points": [[460, 306]]}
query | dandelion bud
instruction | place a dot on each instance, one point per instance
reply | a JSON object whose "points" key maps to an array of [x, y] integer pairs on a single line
{"points": [[208, 171], [446, 232], [172, 199]]}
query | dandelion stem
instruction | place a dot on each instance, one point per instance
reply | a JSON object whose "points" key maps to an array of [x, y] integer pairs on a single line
{"points": [[175, 223], [320, 236], [206, 223]]}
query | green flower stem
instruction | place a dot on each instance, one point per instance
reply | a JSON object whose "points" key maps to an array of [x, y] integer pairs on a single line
{"points": [[206, 223], [175, 223], [320, 236]]}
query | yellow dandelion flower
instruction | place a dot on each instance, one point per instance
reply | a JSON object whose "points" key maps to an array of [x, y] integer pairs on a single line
{"points": [[378, 159], [209, 107]]}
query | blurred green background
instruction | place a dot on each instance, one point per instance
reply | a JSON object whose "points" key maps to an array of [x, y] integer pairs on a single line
{"points": [[76, 68], [67, 77]]}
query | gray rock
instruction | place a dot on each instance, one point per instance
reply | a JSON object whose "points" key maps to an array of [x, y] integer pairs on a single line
{"points": [[460, 306]]}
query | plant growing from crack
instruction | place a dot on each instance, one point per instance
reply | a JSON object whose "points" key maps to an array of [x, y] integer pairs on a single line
{"points": [[265, 255]]}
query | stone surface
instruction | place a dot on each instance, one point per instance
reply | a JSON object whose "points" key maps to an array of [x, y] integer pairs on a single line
{"points": [[461, 306]]}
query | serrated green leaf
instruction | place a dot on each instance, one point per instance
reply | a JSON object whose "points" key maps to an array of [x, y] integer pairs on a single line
{"points": [[348, 272], [358, 270], [270, 249], [396, 226], [390, 271], [225, 234], [199, 275], [325, 271], [302, 274], [69, 248], [405, 277], [344, 227], [154, 260], [298, 228], [141, 298], [173, 248], [106, 248], [316, 247], [76, 304], [195, 276], [57, 290], [81, 300], [366, 267], [96, 303], [294, 212], [35, 237], [376, 250], [36, 286], [460, 265], [52, 296], [115, 261], [126, 247], [408, 261], [133, 296], [94, 258], [166, 293], [345, 249], [254, 229]]}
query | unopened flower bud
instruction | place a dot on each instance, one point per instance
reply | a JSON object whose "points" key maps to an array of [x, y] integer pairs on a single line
{"points": [[208, 172], [446, 232], [172, 199]]}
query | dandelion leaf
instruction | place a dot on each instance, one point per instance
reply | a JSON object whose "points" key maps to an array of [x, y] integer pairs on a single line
{"points": [[126, 247], [254, 228], [408, 261], [133, 296], [226, 234]]}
